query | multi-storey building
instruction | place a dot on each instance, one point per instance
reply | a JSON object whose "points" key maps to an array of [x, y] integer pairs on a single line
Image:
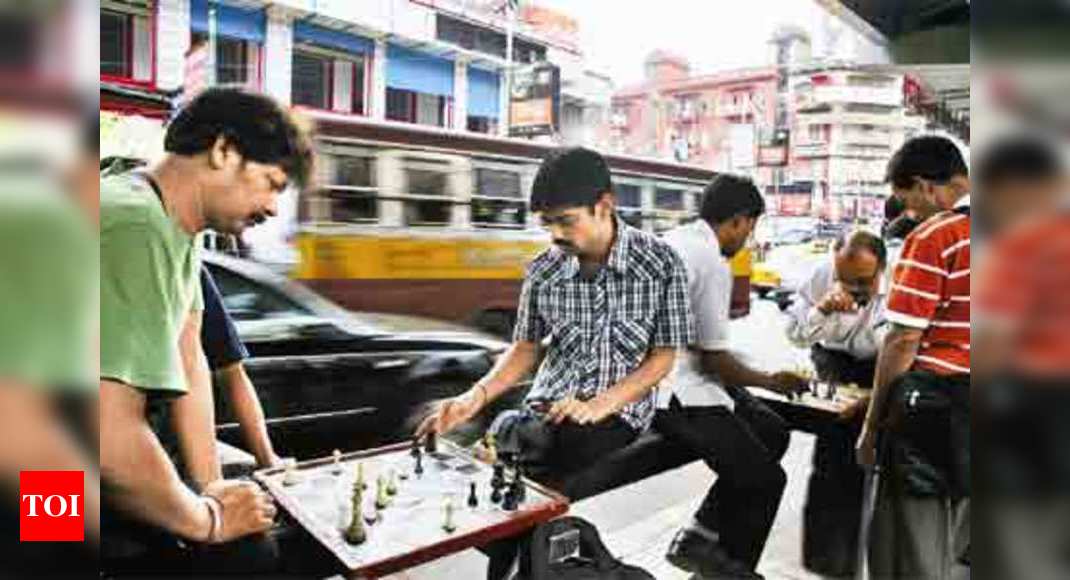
{"points": [[847, 123], [439, 63]]}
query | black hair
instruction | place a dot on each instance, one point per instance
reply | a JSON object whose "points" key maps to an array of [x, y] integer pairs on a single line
{"points": [[570, 177], [728, 196], [929, 157], [1018, 159], [257, 126], [899, 228], [893, 208], [858, 240]]}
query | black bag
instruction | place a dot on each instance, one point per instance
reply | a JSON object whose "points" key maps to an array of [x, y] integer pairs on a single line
{"points": [[569, 548]]}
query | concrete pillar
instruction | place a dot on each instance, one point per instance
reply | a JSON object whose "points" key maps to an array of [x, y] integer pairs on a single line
{"points": [[460, 95], [503, 104], [278, 54], [172, 43], [378, 96]]}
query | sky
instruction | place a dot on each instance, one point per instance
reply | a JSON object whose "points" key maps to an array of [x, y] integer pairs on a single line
{"points": [[713, 35]]}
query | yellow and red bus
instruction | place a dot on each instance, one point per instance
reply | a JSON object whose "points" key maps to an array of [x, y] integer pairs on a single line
{"points": [[418, 220]]}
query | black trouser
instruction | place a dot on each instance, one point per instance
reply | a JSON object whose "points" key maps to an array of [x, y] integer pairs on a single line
{"points": [[833, 509], [575, 447], [744, 449]]}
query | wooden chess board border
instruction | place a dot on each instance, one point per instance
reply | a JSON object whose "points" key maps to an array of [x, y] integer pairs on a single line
{"points": [[518, 522]]}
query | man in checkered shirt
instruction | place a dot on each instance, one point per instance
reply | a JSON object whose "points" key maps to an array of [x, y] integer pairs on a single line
{"points": [[607, 304]]}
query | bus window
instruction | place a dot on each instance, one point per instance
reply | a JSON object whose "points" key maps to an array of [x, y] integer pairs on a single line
{"points": [[497, 199], [426, 196], [352, 191], [669, 208], [630, 203]]}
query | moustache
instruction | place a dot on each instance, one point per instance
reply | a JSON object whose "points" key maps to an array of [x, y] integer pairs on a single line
{"points": [[564, 245]]}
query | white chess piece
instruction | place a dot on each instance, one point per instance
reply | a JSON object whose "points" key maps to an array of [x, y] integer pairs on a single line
{"points": [[337, 467], [290, 477], [447, 522]]}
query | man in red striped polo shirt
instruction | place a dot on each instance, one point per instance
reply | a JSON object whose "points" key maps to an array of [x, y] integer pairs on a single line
{"points": [[926, 356]]}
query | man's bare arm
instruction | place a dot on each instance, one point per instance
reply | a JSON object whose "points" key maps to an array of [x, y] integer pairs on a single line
{"points": [[138, 470], [249, 412], [726, 367], [33, 438], [193, 415], [516, 364], [896, 356]]}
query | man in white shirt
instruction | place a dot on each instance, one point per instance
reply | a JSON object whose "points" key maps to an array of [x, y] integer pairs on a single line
{"points": [[838, 314], [838, 311], [707, 407]]}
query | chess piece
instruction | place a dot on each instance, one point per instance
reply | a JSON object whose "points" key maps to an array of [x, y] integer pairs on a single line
{"points": [[492, 448], [473, 499], [431, 443], [392, 483], [414, 449], [518, 485], [497, 482], [381, 500], [510, 502], [336, 469], [447, 521], [290, 476], [360, 477], [419, 469], [356, 534]]}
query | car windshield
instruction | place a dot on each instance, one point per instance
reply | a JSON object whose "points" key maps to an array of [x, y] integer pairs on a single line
{"points": [[245, 299]]}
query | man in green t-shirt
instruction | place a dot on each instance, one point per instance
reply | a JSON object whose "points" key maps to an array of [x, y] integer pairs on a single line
{"points": [[230, 153]]}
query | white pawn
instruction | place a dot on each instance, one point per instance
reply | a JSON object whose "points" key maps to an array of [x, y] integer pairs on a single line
{"points": [[447, 522], [336, 469], [290, 477]]}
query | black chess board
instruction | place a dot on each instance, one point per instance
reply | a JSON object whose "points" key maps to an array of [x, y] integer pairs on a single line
{"points": [[409, 531]]}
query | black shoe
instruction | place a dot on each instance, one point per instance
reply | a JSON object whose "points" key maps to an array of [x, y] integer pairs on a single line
{"points": [[692, 552]]}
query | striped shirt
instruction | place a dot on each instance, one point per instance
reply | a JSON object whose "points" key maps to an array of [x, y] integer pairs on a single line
{"points": [[1023, 294], [931, 291], [601, 327]]}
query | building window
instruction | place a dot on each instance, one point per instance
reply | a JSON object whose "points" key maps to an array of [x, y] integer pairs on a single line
{"points": [[427, 198], [669, 209], [419, 108], [324, 81], [485, 40], [352, 193], [126, 45], [312, 80], [237, 61], [498, 201], [482, 124], [630, 203]]}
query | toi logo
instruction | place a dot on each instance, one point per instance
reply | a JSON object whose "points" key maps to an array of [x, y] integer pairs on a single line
{"points": [[51, 506]]}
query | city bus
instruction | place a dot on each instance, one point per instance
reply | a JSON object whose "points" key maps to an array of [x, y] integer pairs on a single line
{"points": [[418, 220]]}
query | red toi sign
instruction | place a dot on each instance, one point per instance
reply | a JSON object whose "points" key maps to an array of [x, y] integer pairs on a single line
{"points": [[52, 506]]}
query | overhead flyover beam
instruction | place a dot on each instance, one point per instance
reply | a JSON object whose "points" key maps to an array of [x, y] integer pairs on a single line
{"points": [[915, 31]]}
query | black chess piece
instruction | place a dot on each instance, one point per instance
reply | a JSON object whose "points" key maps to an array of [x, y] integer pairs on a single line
{"points": [[496, 495], [497, 482], [414, 450], [431, 444], [510, 502], [419, 470], [473, 499], [518, 485]]}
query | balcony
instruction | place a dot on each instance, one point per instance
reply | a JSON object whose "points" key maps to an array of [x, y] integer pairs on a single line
{"points": [[811, 149], [823, 96]]}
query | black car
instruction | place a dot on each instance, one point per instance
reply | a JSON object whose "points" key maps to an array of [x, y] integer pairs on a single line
{"points": [[331, 379]]}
